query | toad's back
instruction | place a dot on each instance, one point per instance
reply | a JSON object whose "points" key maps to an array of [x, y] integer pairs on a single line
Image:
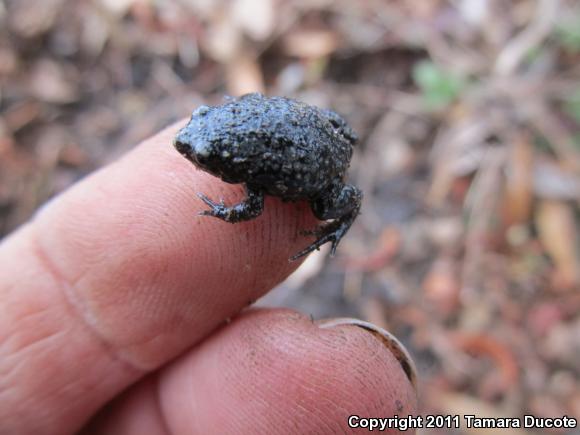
{"points": [[287, 148]]}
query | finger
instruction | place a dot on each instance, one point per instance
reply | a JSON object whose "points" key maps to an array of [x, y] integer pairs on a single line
{"points": [[270, 371], [118, 276]]}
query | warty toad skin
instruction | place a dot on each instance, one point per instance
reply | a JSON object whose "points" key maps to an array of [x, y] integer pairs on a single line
{"points": [[280, 147]]}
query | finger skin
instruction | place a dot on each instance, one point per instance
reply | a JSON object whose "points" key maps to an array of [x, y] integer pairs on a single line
{"points": [[270, 371], [118, 276]]}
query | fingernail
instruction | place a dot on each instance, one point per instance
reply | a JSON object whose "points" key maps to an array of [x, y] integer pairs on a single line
{"points": [[389, 340]]}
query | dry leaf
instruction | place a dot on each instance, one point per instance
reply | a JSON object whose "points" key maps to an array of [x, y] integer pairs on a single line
{"points": [[475, 12], [291, 78], [9, 61], [518, 192], [256, 18], [95, 32], [222, 40], [558, 233], [188, 51], [6, 140], [554, 182], [244, 76], [21, 115], [487, 346], [544, 316], [388, 247], [442, 286], [30, 18], [50, 82], [446, 233], [310, 44], [117, 7], [397, 156]]}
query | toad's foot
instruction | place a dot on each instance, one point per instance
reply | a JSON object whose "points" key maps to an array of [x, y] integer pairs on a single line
{"points": [[250, 208], [340, 203], [332, 232]]}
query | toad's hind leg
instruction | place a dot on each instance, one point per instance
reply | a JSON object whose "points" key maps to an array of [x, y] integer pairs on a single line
{"points": [[341, 204], [250, 208]]}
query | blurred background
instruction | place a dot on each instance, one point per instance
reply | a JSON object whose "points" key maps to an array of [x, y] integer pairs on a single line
{"points": [[469, 116]]}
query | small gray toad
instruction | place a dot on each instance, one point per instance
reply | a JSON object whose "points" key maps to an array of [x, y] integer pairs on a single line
{"points": [[280, 147]]}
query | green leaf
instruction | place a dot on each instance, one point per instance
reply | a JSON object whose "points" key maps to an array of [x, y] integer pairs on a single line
{"points": [[576, 140], [568, 34], [542, 144], [572, 106], [439, 87]]}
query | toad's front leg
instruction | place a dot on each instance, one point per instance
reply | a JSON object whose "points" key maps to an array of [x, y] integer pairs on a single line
{"points": [[250, 208]]}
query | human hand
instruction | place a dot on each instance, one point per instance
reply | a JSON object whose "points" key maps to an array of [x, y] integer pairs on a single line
{"points": [[113, 309]]}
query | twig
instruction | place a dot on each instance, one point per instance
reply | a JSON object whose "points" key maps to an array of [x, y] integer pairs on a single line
{"points": [[512, 55]]}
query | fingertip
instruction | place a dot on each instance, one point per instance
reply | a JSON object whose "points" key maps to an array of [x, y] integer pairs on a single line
{"points": [[276, 370], [390, 341]]}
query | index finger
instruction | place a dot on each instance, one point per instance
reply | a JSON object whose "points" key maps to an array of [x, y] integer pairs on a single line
{"points": [[118, 276]]}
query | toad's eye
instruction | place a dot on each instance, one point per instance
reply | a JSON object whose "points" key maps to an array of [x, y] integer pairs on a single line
{"points": [[335, 123]]}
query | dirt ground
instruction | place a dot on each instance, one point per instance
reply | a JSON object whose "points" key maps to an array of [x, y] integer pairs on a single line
{"points": [[469, 117]]}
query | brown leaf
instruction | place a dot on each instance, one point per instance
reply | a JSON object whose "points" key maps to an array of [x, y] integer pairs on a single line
{"points": [[117, 7], [558, 234], [222, 40], [442, 286], [8, 61], [518, 193], [50, 82], [553, 181], [96, 30], [388, 247], [310, 44], [244, 75], [488, 346], [256, 18], [397, 156], [543, 316], [21, 115], [6, 140], [30, 18], [446, 232]]}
